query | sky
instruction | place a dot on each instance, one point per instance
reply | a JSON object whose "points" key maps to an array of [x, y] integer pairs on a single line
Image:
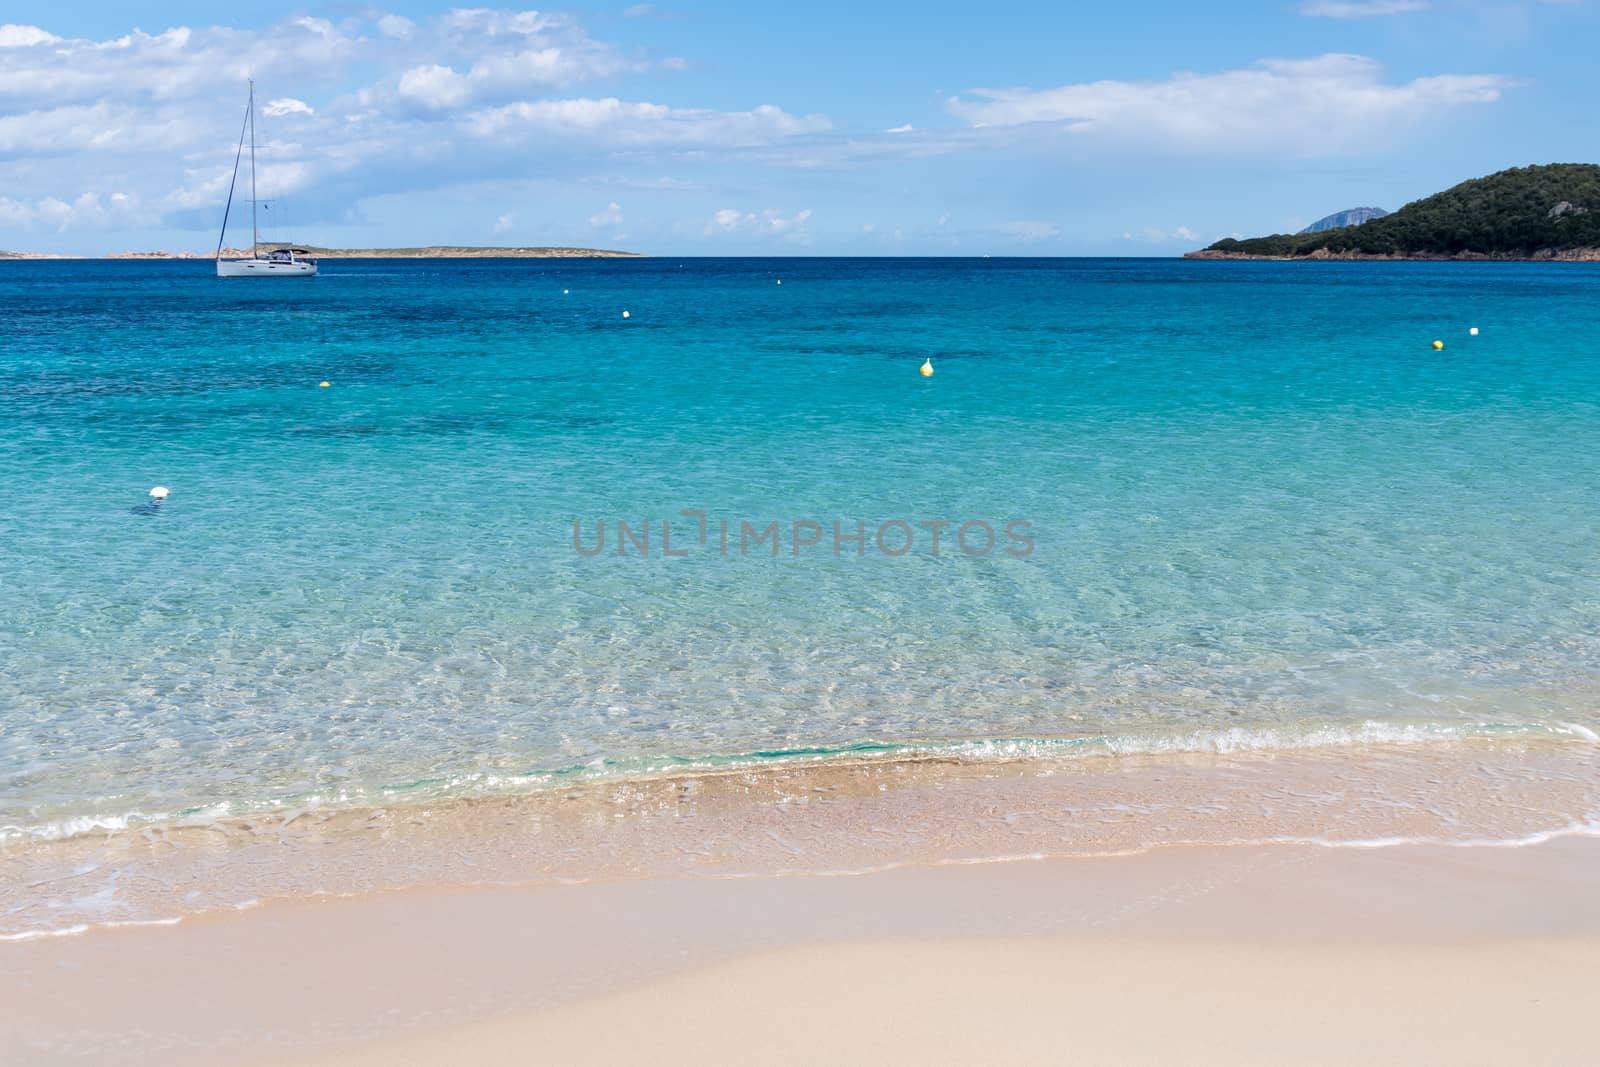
{"points": [[705, 127]]}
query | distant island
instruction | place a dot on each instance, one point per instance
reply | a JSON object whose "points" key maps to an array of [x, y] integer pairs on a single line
{"points": [[449, 252], [1354, 216], [430, 252], [1526, 213]]}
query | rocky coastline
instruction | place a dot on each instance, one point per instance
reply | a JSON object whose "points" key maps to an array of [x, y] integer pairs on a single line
{"points": [[1542, 255]]}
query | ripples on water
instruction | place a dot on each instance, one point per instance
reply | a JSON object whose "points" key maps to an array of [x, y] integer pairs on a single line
{"points": [[1260, 500]]}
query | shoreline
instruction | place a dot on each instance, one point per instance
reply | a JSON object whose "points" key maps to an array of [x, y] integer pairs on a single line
{"points": [[1285, 738], [1321, 255], [813, 815], [1385, 955]]}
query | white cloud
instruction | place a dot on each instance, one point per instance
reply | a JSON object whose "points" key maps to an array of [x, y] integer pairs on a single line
{"points": [[281, 177], [87, 209], [452, 98], [768, 223], [1157, 235], [1028, 230], [380, 106], [773, 223], [1302, 106], [623, 123], [1360, 9], [101, 126], [496, 55], [177, 64], [506, 51], [320, 27], [383, 104], [610, 216], [481, 58], [14, 36], [433, 86], [287, 105], [501, 23], [396, 26]]}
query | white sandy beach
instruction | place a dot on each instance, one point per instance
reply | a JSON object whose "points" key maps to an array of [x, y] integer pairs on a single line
{"points": [[1250, 954], [1063, 1000]]}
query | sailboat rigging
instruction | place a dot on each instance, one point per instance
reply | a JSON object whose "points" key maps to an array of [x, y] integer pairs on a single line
{"points": [[277, 262]]}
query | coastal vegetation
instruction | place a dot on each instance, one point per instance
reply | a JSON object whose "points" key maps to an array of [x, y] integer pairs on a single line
{"points": [[1538, 212]]}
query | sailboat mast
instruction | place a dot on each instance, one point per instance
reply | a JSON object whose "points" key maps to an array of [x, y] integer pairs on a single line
{"points": [[255, 230], [233, 183]]}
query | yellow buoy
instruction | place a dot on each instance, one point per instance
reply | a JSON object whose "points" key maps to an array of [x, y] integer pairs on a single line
{"points": [[322, 385], [927, 368], [1438, 344]]}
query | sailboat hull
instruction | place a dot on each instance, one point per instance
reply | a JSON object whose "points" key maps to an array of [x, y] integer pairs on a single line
{"points": [[264, 268]]}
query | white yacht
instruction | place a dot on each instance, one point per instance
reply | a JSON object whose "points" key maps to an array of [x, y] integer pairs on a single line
{"points": [[276, 262]]}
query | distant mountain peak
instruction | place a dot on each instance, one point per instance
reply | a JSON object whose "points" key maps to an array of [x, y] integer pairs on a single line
{"points": [[1354, 216]]}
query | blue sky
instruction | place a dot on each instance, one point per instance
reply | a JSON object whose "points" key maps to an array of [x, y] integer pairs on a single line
{"points": [[711, 128]]}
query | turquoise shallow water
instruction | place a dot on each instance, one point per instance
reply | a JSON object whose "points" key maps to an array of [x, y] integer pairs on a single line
{"points": [[1264, 511]]}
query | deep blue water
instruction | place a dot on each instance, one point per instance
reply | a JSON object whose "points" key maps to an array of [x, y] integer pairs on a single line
{"points": [[1261, 506]]}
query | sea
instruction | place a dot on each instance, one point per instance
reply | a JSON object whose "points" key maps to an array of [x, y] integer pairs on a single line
{"points": [[529, 569]]}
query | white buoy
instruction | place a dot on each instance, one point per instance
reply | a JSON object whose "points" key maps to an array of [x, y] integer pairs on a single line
{"points": [[160, 492], [625, 315], [1473, 331]]}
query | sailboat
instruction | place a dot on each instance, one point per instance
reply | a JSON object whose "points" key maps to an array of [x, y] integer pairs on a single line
{"points": [[276, 262]]}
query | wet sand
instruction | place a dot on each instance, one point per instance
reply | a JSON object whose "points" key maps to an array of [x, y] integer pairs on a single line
{"points": [[807, 817]]}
